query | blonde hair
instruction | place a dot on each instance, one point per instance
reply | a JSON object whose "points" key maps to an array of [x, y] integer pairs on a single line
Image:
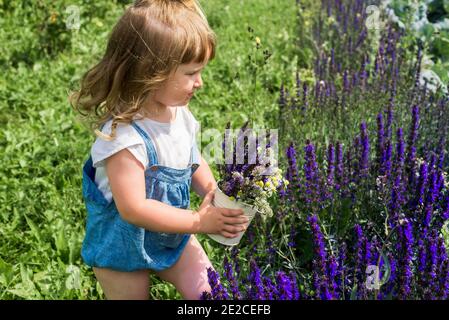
{"points": [[148, 43]]}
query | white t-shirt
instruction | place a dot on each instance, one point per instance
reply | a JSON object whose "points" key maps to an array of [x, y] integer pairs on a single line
{"points": [[173, 142]]}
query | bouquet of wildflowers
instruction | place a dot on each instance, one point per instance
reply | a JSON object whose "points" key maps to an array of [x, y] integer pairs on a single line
{"points": [[250, 173]]}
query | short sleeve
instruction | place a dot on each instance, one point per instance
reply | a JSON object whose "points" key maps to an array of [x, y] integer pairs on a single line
{"points": [[193, 127], [126, 137], [196, 137], [195, 123]]}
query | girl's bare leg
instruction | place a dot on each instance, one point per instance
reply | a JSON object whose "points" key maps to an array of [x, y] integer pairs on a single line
{"points": [[189, 274], [119, 285]]}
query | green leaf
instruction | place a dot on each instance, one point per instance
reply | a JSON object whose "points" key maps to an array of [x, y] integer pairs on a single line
{"points": [[61, 241], [34, 230], [427, 30], [442, 70], [26, 288], [354, 293], [6, 272], [441, 44]]}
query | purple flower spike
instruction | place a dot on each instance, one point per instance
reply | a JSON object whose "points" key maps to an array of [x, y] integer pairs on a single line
{"points": [[445, 214], [340, 166], [400, 150], [256, 291], [406, 272], [380, 139], [311, 173], [270, 289], [444, 282], [332, 274], [292, 171], [294, 285], [358, 252], [364, 161], [218, 291], [284, 286], [422, 182], [433, 262], [229, 274], [320, 262], [412, 139], [386, 170], [331, 165]]}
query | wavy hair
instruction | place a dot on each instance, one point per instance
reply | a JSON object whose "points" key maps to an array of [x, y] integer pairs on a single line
{"points": [[146, 46]]}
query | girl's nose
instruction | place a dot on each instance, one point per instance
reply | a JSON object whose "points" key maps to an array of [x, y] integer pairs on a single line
{"points": [[198, 82]]}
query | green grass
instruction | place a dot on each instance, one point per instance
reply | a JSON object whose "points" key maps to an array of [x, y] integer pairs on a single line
{"points": [[43, 145]]}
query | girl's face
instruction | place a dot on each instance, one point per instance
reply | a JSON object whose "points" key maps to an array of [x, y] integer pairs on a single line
{"points": [[179, 88]]}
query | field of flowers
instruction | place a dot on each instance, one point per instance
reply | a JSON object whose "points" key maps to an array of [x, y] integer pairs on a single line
{"points": [[364, 215], [358, 92]]}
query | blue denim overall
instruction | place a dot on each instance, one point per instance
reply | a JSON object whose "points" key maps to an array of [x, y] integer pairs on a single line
{"points": [[111, 242]]}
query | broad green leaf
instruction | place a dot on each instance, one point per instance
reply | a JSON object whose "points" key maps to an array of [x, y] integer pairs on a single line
{"points": [[6, 272], [34, 229], [61, 241]]}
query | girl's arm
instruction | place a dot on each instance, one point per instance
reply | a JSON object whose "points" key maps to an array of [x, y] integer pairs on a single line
{"points": [[127, 180], [203, 180]]}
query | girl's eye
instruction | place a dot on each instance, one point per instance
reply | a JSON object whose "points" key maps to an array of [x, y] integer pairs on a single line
{"points": [[193, 73]]}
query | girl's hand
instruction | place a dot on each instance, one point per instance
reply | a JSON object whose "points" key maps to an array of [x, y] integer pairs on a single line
{"points": [[227, 222]]}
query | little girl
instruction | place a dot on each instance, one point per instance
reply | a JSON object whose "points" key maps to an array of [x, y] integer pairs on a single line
{"points": [[136, 183]]}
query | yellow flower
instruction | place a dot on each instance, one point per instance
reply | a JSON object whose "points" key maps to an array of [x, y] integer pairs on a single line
{"points": [[268, 184], [286, 182], [53, 17], [259, 183], [257, 40], [232, 198]]}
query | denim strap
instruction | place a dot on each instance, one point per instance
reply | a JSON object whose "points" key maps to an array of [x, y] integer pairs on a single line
{"points": [[151, 151]]}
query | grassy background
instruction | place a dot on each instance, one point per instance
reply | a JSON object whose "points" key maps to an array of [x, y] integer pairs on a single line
{"points": [[43, 145]]}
